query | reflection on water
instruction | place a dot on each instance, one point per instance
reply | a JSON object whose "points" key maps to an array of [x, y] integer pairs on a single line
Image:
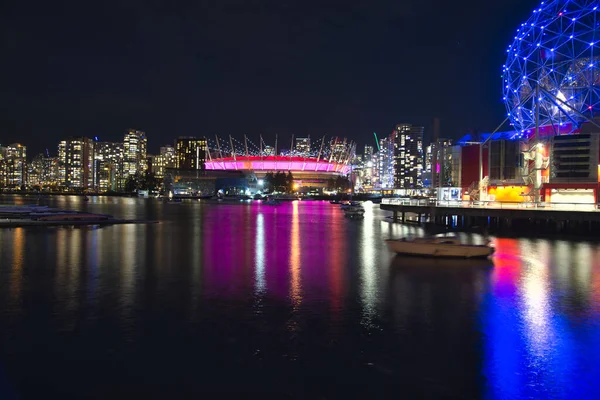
{"points": [[295, 293]]}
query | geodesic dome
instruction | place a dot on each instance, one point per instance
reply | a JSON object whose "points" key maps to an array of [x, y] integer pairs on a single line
{"points": [[558, 48]]}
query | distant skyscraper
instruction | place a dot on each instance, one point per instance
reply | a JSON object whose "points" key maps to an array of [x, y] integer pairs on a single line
{"points": [[338, 150], [168, 154], [16, 156], [134, 153], [13, 166], [368, 153], [302, 147], [49, 172], [108, 159], [385, 165], [408, 156], [369, 166], [438, 164], [34, 171], [76, 163], [190, 152], [268, 151]]}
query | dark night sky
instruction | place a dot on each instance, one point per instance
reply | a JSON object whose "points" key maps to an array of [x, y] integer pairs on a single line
{"points": [[196, 67]]}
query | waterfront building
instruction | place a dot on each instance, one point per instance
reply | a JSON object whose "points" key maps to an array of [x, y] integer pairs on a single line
{"points": [[169, 158], [157, 165], [438, 164], [13, 166], [76, 163], [386, 163], [302, 146], [108, 159], [190, 152], [408, 156], [135, 145], [368, 167], [34, 171]]}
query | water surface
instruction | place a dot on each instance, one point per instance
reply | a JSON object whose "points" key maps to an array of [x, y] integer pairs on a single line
{"points": [[289, 301]]}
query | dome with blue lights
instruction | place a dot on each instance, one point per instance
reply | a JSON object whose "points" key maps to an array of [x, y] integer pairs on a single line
{"points": [[554, 60]]}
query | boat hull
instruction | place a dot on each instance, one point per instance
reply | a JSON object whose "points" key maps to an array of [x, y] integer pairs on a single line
{"points": [[437, 250]]}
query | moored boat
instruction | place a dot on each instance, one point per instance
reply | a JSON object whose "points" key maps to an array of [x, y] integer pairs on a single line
{"points": [[442, 247]]}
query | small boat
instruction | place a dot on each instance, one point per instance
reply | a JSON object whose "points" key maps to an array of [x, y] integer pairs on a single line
{"points": [[352, 205], [336, 201], [85, 198], [443, 247], [353, 210]]}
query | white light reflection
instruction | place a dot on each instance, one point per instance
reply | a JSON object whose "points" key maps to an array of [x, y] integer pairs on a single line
{"points": [[368, 270], [259, 255], [295, 285], [536, 300]]}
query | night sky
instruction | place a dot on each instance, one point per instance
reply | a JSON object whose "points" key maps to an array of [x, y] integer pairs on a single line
{"points": [[192, 67]]}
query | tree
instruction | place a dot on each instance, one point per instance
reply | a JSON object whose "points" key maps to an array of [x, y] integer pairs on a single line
{"points": [[269, 181], [289, 182], [131, 183], [279, 182]]}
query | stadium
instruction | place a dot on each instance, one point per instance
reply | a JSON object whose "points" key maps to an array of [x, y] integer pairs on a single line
{"points": [[240, 166], [312, 163]]}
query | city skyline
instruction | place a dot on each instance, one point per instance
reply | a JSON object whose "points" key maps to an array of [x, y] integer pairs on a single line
{"points": [[289, 69]]}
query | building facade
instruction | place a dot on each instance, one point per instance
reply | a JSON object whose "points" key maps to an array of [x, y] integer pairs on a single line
{"points": [[108, 159], [76, 163], [14, 166], [135, 146], [190, 152], [302, 146], [408, 156], [385, 165]]}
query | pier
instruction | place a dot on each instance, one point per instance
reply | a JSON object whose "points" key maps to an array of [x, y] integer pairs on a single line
{"points": [[541, 217]]}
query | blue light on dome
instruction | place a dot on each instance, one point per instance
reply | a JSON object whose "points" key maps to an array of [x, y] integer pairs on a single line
{"points": [[560, 58]]}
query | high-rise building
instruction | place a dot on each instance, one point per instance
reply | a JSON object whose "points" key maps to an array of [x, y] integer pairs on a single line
{"points": [[14, 165], [157, 165], [368, 168], [168, 154], [302, 147], [408, 156], [385, 163], [49, 172], [76, 163], [268, 151], [134, 153], [339, 152], [438, 164], [34, 171], [190, 152], [108, 160]]}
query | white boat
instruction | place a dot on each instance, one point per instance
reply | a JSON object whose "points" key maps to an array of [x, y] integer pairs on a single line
{"points": [[353, 210], [443, 247], [351, 205]]}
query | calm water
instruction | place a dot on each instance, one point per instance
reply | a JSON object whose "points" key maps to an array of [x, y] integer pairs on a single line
{"points": [[292, 302]]}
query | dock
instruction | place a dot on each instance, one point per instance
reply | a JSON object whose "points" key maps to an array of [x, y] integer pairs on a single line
{"points": [[33, 215], [543, 217]]}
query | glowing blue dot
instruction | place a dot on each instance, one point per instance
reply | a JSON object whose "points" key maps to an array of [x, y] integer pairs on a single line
{"points": [[571, 37], [538, 45], [591, 44]]}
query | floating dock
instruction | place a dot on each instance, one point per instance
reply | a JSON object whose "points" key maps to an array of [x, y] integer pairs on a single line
{"points": [[32, 215]]}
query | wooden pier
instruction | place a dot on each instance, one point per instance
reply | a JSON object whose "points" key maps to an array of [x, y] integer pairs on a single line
{"points": [[500, 216]]}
